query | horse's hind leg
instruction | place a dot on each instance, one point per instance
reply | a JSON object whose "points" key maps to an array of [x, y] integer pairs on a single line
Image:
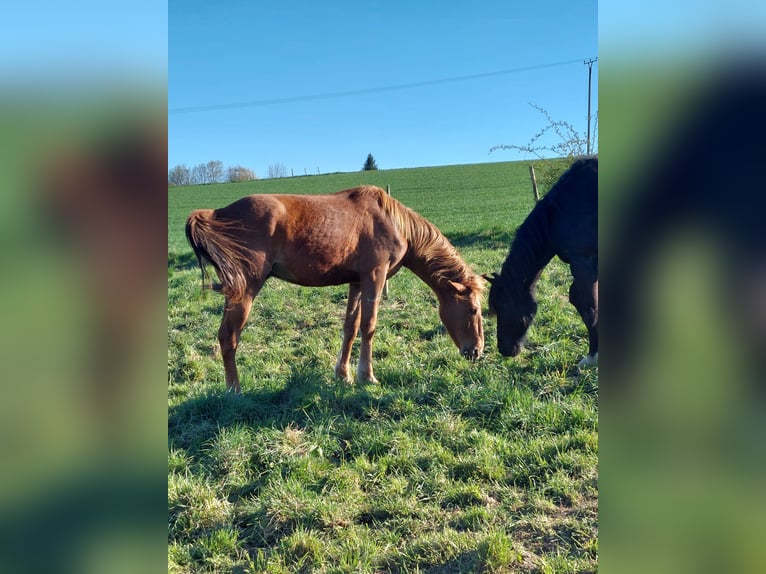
{"points": [[234, 319], [350, 329], [583, 294]]}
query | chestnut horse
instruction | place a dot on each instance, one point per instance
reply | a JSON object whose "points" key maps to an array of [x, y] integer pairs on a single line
{"points": [[358, 236], [563, 223]]}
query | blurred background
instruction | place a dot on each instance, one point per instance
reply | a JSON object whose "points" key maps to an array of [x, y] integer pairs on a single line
{"points": [[683, 252], [83, 155]]}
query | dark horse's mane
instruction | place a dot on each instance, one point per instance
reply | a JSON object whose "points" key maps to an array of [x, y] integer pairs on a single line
{"points": [[531, 247]]}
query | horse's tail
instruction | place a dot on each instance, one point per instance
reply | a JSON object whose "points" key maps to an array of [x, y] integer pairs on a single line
{"points": [[221, 244]]}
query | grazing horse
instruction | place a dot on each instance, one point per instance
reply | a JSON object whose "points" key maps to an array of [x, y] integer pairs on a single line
{"points": [[358, 236], [563, 223]]}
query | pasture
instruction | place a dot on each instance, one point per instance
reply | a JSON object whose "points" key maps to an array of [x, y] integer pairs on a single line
{"points": [[444, 466]]}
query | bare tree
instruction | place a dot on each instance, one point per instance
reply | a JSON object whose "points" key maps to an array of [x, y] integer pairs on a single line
{"points": [[179, 175], [210, 172], [214, 171], [276, 170], [569, 145], [199, 174], [238, 173]]}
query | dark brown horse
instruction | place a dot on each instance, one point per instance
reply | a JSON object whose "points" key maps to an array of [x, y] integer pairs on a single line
{"points": [[359, 236], [563, 223]]}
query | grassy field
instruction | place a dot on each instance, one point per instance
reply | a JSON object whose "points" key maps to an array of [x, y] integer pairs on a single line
{"points": [[445, 466]]}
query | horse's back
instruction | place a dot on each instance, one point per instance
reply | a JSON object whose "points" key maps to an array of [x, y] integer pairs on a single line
{"points": [[250, 208], [258, 206]]}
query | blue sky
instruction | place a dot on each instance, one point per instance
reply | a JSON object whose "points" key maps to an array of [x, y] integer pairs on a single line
{"points": [[44, 40], [222, 54], [688, 29]]}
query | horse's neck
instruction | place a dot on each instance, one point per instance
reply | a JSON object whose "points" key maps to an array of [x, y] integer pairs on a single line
{"points": [[417, 267], [430, 255], [425, 269], [530, 252]]}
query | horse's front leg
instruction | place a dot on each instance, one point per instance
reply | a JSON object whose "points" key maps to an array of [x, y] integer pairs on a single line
{"points": [[371, 290], [583, 294], [350, 329]]}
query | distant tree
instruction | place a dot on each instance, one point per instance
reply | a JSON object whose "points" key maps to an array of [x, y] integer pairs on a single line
{"points": [[370, 164], [199, 174], [214, 171], [210, 172], [276, 170], [238, 173], [179, 175]]}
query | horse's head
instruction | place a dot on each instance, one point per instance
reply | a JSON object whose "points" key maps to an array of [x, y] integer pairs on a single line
{"points": [[515, 307], [460, 312]]}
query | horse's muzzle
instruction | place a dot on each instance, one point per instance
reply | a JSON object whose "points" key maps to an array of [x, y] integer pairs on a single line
{"points": [[471, 353], [510, 350]]}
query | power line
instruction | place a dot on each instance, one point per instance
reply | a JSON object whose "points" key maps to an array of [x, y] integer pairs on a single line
{"points": [[365, 91]]}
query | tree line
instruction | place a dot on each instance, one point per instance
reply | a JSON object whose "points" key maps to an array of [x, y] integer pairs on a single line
{"points": [[214, 172], [210, 172]]}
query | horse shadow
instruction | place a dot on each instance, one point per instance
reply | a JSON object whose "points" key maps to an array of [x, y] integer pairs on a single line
{"points": [[306, 388]]}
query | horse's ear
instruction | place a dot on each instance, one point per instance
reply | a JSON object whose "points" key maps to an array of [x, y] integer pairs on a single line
{"points": [[459, 287], [490, 278]]}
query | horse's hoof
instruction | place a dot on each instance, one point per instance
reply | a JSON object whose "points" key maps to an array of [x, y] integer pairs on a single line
{"points": [[588, 361], [343, 376]]}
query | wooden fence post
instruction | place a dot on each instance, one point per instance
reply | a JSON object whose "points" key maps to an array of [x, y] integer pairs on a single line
{"points": [[534, 183], [385, 285]]}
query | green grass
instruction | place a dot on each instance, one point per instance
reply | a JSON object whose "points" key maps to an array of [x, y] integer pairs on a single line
{"points": [[445, 466]]}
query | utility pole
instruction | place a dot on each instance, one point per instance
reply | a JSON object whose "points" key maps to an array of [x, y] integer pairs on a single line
{"points": [[589, 63]]}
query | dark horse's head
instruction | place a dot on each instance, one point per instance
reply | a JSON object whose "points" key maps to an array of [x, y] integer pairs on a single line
{"points": [[515, 307]]}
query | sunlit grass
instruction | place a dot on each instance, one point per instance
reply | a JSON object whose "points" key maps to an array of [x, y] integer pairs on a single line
{"points": [[446, 464]]}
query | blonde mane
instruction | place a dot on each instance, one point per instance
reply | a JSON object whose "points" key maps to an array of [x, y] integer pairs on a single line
{"points": [[427, 243]]}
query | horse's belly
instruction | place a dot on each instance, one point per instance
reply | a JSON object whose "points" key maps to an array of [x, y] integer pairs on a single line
{"points": [[313, 275]]}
